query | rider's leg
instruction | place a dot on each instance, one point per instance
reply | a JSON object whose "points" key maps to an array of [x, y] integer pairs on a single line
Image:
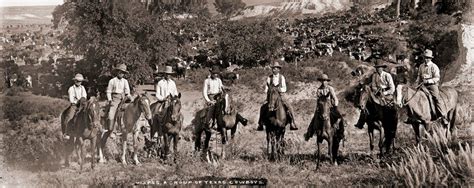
{"points": [[434, 91], [113, 107], [290, 113], [311, 129], [260, 118], [69, 116]]}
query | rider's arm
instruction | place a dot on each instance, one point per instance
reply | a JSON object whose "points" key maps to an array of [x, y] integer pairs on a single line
{"points": [[333, 96], [283, 84], [158, 95], [127, 88], [174, 90], [84, 92], [204, 90], [434, 75], [391, 85], [70, 92], [266, 84], [109, 90]]}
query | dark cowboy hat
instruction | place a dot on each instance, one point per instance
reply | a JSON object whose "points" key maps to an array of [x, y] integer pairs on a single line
{"points": [[380, 63], [121, 67], [324, 77]]}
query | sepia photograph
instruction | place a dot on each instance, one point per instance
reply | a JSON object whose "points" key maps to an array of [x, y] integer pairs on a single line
{"points": [[236, 93]]}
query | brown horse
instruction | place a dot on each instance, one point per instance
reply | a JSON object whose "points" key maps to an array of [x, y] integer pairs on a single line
{"points": [[167, 124], [417, 104], [329, 127], [127, 119], [84, 126], [275, 120], [227, 119], [377, 117]]}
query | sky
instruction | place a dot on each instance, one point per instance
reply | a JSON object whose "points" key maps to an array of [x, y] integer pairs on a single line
{"points": [[9, 3]]}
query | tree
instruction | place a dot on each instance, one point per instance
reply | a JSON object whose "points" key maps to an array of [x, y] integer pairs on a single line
{"points": [[229, 7], [109, 33], [248, 41]]}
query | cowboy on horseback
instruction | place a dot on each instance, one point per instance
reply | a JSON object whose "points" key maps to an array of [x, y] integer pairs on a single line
{"points": [[165, 88], [382, 86], [213, 87], [76, 92], [277, 80], [324, 93], [429, 77], [117, 90]]}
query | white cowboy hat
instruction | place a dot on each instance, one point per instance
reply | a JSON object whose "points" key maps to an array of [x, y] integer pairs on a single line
{"points": [[79, 78], [168, 70], [122, 67], [428, 53], [276, 64], [324, 77]]}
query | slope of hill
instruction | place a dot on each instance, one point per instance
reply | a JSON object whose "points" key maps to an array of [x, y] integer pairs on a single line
{"points": [[26, 15]]}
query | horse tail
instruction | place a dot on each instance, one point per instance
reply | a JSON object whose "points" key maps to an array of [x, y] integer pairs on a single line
{"points": [[452, 121]]}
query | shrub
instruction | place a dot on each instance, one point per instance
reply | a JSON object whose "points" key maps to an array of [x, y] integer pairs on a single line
{"points": [[435, 162], [34, 107]]}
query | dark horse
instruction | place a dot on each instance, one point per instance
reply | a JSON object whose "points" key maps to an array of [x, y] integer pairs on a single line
{"points": [[275, 120], [227, 119], [84, 126], [167, 124], [329, 127], [377, 117]]}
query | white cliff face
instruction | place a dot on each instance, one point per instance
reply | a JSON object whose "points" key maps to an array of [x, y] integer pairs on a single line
{"points": [[296, 7], [465, 76]]}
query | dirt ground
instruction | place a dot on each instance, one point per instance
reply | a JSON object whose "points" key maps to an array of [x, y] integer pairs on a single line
{"points": [[245, 158]]}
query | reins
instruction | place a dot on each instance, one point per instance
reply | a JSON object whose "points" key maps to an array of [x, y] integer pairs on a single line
{"points": [[413, 96]]}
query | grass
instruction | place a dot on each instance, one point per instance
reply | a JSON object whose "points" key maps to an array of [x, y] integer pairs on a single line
{"points": [[438, 161]]}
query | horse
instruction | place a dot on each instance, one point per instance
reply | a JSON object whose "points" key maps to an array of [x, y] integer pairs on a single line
{"points": [[127, 119], [227, 119], [418, 108], [377, 117], [275, 120], [167, 124], [328, 127], [84, 126]]}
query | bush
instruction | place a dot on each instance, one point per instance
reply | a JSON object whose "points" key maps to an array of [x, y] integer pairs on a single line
{"points": [[31, 106], [34, 143], [437, 161]]}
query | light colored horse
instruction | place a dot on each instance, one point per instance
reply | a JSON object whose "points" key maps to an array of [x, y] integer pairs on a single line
{"points": [[127, 119], [84, 126], [418, 107]]}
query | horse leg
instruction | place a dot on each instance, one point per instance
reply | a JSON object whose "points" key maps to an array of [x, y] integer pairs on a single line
{"points": [[330, 147], [135, 147], [166, 139], [80, 152], [101, 145], [93, 150], [224, 142], [124, 148], [416, 129], [371, 139], [175, 145], [268, 144], [206, 145], [319, 154], [197, 141], [381, 140], [233, 130], [69, 149]]}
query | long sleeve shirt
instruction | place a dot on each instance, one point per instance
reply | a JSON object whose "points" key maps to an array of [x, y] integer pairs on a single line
{"points": [[428, 73], [165, 88], [117, 85], [75, 93], [327, 91], [212, 86], [384, 82], [275, 80]]}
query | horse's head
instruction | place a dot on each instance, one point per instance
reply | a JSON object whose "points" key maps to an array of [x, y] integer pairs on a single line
{"points": [[274, 97], [324, 109], [175, 107], [400, 92], [144, 104], [92, 109], [362, 94], [225, 104]]}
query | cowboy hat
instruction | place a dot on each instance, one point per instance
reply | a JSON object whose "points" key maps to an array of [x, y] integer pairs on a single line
{"points": [[276, 64], [428, 53], [215, 70], [121, 67], [168, 70], [324, 77], [79, 78], [379, 63]]}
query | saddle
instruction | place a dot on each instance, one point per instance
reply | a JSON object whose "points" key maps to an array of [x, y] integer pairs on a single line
{"points": [[430, 101], [383, 100]]}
